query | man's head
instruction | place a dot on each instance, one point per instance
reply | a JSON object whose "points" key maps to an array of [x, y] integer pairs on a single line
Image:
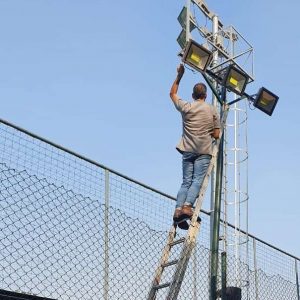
{"points": [[199, 91]]}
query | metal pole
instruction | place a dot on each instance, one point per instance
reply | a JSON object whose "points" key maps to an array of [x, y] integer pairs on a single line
{"points": [[297, 279], [106, 237], [187, 25], [215, 28], [216, 224], [255, 269], [214, 103], [215, 99]]}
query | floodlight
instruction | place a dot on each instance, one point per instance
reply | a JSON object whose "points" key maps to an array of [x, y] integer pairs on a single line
{"points": [[197, 56], [235, 80], [266, 101], [182, 40]]}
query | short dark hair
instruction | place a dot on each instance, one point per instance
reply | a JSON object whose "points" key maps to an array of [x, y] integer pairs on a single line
{"points": [[199, 91]]}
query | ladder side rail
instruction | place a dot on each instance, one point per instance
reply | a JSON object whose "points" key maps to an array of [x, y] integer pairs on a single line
{"points": [[185, 255], [163, 260]]}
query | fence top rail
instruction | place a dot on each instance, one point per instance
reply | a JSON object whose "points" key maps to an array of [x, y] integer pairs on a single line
{"points": [[35, 136]]}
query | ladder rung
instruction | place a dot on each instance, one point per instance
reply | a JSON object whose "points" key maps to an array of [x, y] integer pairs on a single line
{"points": [[170, 263], [177, 242], [162, 286]]}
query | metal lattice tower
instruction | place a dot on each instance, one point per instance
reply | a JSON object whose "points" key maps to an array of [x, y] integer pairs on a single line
{"points": [[229, 48]]}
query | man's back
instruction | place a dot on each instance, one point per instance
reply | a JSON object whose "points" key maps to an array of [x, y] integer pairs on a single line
{"points": [[199, 120], [200, 124]]}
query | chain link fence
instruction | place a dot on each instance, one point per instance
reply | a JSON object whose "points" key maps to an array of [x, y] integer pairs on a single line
{"points": [[73, 229]]}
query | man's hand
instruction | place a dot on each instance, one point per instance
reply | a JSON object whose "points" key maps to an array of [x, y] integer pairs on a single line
{"points": [[216, 133], [174, 87]]}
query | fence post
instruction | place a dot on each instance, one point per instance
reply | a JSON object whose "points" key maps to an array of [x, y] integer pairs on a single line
{"points": [[255, 269], [224, 274], [297, 279], [106, 237]]}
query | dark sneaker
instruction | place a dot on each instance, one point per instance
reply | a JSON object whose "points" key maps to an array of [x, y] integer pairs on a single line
{"points": [[186, 212], [183, 224], [177, 214]]}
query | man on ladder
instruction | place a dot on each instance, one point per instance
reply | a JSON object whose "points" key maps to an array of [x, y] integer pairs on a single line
{"points": [[201, 123]]}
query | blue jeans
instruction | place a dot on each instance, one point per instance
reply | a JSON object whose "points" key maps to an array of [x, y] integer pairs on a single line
{"points": [[194, 167]]}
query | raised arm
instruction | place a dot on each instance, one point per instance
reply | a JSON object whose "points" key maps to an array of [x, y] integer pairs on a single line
{"points": [[175, 85]]}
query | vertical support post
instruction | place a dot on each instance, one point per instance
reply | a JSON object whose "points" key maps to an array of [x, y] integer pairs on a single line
{"points": [[216, 225], [215, 29], [255, 269], [224, 274], [297, 279], [106, 236], [215, 25], [187, 25]]}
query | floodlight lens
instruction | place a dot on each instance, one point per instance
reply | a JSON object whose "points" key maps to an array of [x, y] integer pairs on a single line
{"points": [[197, 56], [266, 99], [236, 80], [233, 81]]}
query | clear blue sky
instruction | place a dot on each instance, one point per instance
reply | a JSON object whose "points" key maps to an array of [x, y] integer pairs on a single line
{"points": [[94, 76]]}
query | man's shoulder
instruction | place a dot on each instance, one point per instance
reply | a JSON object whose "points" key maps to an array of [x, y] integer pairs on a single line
{"points": [[206, 106], [182, 105], [210, 106]]}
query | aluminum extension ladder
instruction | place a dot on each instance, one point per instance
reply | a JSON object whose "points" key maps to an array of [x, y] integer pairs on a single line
{"points": [[189, 242]]}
